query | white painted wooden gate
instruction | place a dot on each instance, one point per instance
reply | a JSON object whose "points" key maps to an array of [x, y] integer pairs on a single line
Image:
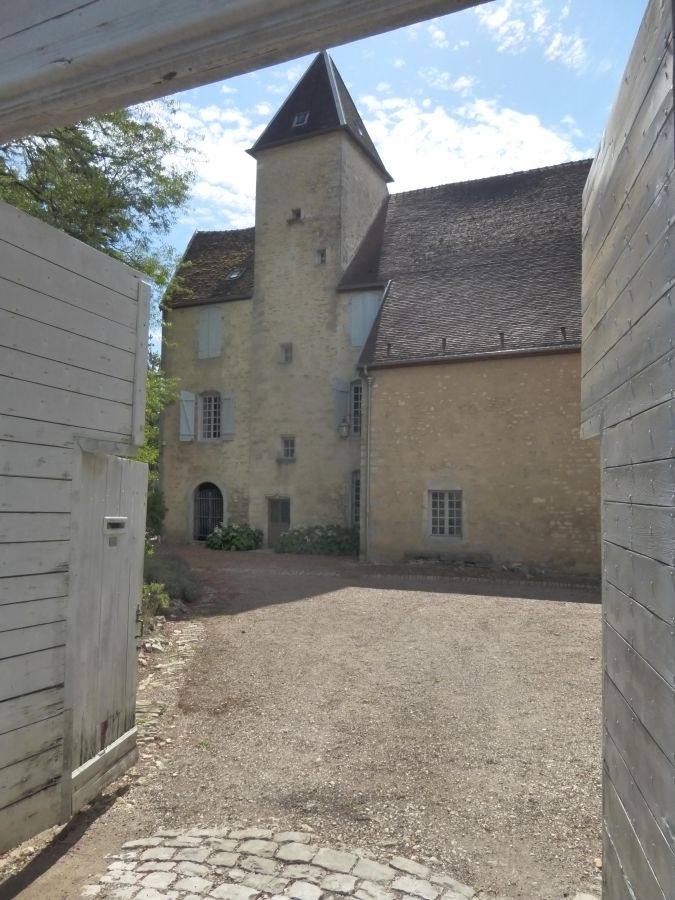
{"points": [[108, 514]]}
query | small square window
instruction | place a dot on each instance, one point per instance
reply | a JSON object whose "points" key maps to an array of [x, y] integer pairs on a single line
{"points": [[301, 118], [296, 215], [321, 256], [285, 353], [445, 508], [288, 447]]}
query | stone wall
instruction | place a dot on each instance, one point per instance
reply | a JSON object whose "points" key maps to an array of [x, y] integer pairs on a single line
{"points": [[504, 432], [186, 464], [338, 191]]}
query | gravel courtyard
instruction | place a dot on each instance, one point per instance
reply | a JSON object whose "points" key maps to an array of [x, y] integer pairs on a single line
{"points": [[389, 711]]}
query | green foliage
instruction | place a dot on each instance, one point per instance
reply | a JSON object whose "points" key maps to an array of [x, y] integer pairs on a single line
{"points": [[110, 181], [235, 537], [155, 598], [174, 573], [330, 540], [156, 511], [160, 392]]}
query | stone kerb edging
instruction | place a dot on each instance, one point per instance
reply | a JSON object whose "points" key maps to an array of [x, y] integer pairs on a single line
{"points": [[244, 864]]}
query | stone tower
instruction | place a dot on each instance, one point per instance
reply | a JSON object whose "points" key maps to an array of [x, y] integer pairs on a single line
{"points": [[320, 184]]}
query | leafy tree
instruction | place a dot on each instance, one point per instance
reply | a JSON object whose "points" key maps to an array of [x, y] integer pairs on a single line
{"points": [[159, 393], [113, 182], [110, 181]]}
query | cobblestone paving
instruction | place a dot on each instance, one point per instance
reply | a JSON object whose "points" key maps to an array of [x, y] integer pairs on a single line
{"points": [[246, 863]]}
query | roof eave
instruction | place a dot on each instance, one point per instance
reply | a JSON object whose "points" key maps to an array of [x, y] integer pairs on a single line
{"points": [[470, 357], [184, 304]]}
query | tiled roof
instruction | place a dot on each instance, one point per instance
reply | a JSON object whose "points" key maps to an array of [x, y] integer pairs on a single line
{"points": [[212, 258], [479, 267], [323, 96]]}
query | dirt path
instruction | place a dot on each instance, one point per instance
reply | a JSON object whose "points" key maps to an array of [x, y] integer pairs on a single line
{"points": [[385, 711]]}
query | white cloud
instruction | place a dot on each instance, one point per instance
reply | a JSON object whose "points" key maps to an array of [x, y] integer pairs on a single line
{"points": [[438, 38], [423, 146], [516, 25], [223, 195], [399, 63], [567, 49], [227, 89], [263, 109], [460, 45], [445, 82], [383, 87]]}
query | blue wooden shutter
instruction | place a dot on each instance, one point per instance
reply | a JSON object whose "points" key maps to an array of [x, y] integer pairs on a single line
{"points": [[187, 416], [341, 402], [210, 332], [227, 415], [363, 311]]}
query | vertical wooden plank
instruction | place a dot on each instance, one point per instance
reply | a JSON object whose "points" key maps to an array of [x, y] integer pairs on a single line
{"points": [[136, 482], [84, 607], [140, 364]]}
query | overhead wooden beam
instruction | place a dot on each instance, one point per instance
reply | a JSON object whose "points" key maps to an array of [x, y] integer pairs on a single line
{"points": [[67, 59]]}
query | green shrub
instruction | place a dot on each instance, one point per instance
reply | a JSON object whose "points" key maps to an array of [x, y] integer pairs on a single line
{"points": [[330, 540], [235, 537], [174, 573], [155, 598], [156, 510]]}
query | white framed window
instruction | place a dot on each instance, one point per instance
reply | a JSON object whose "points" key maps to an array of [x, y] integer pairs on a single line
{"points": [[210, 417], [301, 118], [446, 513], [287, 447], [356, 498], [355, 406], [286, 353]]}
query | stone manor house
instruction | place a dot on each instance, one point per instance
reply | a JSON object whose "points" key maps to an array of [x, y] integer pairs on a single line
{"points": [[409, 363]]}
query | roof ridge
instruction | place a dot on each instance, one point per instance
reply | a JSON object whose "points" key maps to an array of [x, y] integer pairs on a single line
{"points": [[506, 175]]}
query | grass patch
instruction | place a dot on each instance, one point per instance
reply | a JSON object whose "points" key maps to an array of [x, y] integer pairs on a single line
{"points": [[174, 573]]}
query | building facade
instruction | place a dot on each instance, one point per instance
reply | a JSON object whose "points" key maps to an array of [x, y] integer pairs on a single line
{"points": [[359, 358]]}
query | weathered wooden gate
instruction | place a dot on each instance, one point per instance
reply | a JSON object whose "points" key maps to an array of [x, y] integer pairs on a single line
{"points": [[101, 654], [73, 353]]}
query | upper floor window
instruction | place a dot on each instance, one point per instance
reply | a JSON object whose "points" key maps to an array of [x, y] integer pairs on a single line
{"points": [[210, 332], [235, 274], [209, 417], [296, 215], [301, 118], [285, 353], [445, 509], [321, 256], [288, 447]]}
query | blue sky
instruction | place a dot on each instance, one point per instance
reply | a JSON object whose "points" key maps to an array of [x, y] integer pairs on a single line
{"points": [[510, 85]]}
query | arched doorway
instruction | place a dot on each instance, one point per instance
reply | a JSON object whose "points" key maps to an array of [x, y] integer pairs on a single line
{"points": [[208, 510]]}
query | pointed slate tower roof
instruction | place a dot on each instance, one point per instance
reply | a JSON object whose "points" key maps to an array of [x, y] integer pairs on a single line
{"points": [[319, 103]]}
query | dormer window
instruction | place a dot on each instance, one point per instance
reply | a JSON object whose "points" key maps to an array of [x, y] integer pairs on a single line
{"points": [[301, 118], [235, 273]]}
